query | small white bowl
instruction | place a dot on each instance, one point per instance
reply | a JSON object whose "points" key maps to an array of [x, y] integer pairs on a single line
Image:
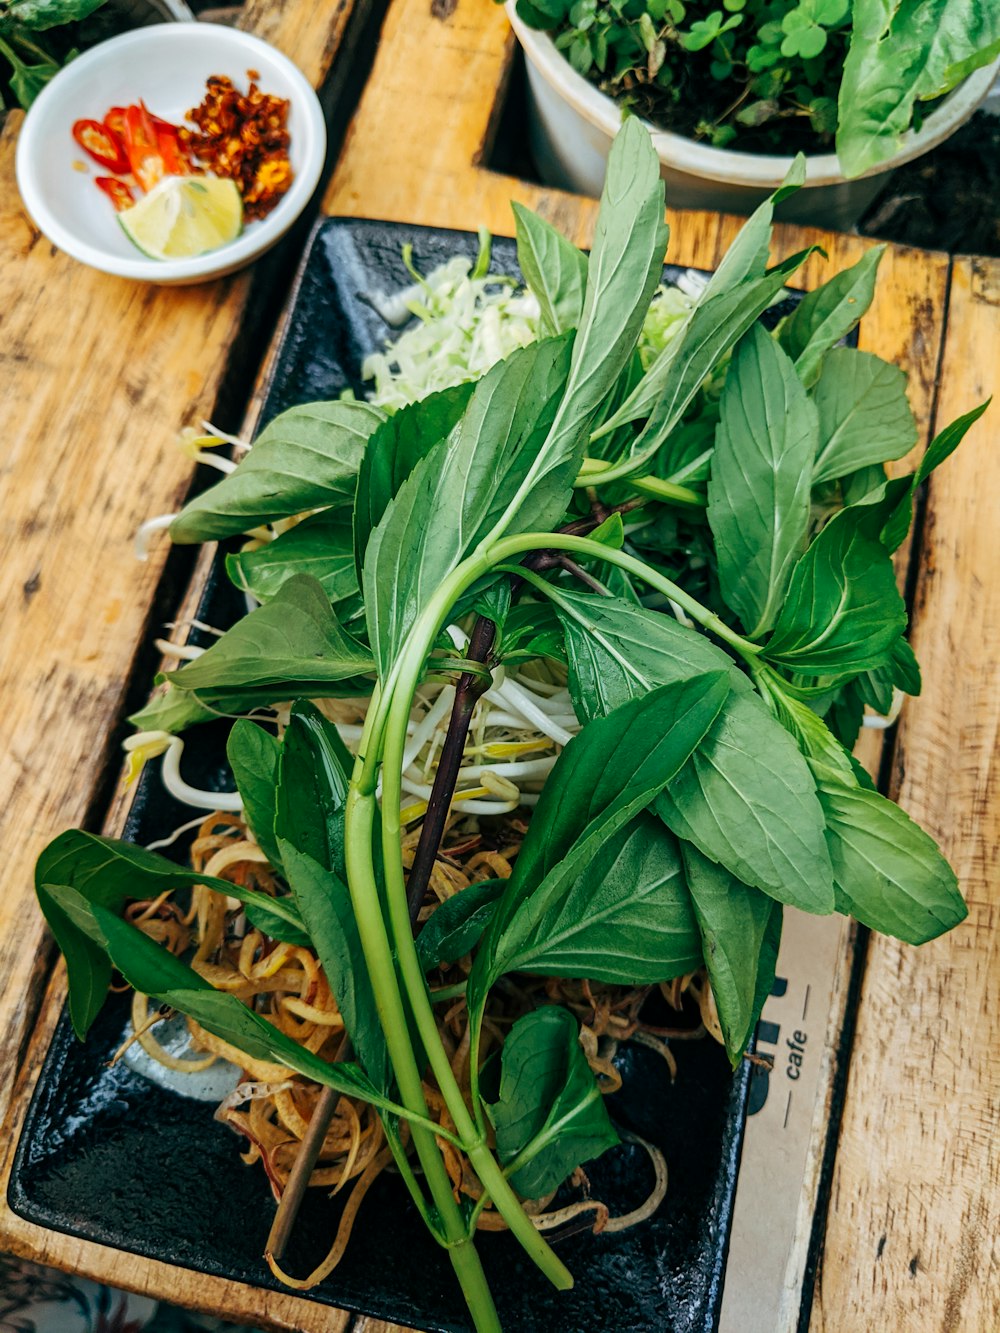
{"points": [[167, 67]]}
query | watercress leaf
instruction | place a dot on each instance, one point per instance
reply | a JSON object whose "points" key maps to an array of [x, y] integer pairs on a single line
{"points": [[864, 415], [253, 756], [313, 775], [889, 873], [843, 610], [457, 925], [469, 487], [325, 905], [746, 800], [155, 972], [612, 769], [617, 651], [321, 546], [829, 313], [550, 1115], [554, 269], [740, 933], [306, 458], [615, 909], [758, 493], [668, 387], [108, 873], [394, 450], [293, 639]]}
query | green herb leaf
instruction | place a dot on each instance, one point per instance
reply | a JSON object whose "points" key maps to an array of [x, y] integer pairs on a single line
{"points": [[394, 450], [746, 258], [746, 800], [40, 15], [464, 490], [889, 873], [253, 755], [455, 927], [758, 494], [843, 611], [103, 872], [306, 458], [313, 776], [172, 710], [669, 386], [550, 1115], [554, 269], [864, 415], [321, 546], [292, 645], [740, 933], [829, 313]]}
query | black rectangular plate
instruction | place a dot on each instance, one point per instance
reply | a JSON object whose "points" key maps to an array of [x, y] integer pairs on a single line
{"points": [[109, 1157]]}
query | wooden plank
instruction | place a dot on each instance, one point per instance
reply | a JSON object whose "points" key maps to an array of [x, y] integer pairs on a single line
{"points": [[98, 376], [915, 1212]]}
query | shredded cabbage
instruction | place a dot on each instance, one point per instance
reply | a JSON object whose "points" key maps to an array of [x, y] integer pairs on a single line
{"points": [[468, 320]]}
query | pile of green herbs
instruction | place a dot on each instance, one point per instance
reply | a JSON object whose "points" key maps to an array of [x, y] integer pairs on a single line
{"points": [[776, 76], [38, 37], [548, 507]]}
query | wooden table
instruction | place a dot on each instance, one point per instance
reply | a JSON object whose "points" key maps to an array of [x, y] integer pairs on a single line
{"points": [[98, 377]]}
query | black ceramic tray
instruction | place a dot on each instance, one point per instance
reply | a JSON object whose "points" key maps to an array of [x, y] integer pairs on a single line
{"points": [[110, 1157]]}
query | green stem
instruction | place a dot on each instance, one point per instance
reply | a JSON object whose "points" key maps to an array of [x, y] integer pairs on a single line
{"points": [[594, 472]]}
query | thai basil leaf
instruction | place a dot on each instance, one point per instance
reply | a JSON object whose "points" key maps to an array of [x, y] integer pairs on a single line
{"points": [[889, 873], [321, 546], [553, 268], [669, 386], [467, 488], [394, 450], [746, 800], [746, 258], [293, 644], [455, 927], [615, 909], [172, 710], [550, 1115], [829, 313], [306, 458], [324, 903], [617, 651], [901, 53], [253, 755], [758, 494], [313, 776], [843, 610], [740, 933], [612, 770], [155, 972], [808, 730], [864, 415], [941, 447], [107, 873]]}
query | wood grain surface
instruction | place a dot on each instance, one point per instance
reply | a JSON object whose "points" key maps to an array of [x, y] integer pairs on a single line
{"points": [[911, 1242], [414, 153]]}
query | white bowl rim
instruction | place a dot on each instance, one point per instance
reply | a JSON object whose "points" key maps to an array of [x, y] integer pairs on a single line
{"points": [[214, 263], [728, 165]]}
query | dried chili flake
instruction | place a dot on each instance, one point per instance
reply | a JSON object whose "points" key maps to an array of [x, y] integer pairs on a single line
{"points": [[243, 136]]}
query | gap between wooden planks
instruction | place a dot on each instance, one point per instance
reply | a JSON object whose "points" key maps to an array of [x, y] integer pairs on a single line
{"points": [[442, 75]]}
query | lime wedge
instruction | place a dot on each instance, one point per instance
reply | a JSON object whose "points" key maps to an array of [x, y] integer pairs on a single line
{"points": [[184, 216]]}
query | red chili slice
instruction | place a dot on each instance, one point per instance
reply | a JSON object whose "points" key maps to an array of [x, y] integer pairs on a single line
{"points": [[115, 122], [117, 191], [174, 161], [144, 156], [97, 140]]}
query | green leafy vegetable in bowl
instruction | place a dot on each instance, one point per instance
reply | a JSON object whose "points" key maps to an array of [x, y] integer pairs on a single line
{"points": [[643, 593], [774, 76]]}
